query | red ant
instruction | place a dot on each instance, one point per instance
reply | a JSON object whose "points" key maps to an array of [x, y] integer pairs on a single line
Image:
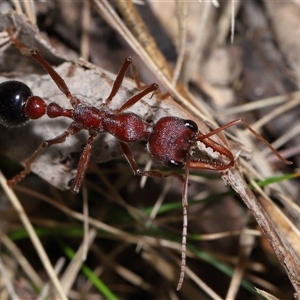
{"points": [[171, 141]]}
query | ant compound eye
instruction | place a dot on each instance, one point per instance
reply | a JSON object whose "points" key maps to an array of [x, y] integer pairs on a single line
{"points": [[13, 96], [191, 125], [173, 164]]}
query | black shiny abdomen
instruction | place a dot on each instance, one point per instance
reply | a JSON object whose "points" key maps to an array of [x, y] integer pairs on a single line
{"points": [[13, 96]]}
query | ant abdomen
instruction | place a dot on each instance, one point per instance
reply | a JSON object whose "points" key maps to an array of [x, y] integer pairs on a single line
{"points": [[171, 141], [18, 105], [13, 97]]}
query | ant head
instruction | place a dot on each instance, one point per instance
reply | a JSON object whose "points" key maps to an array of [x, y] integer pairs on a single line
{"points": [[171, 141]]}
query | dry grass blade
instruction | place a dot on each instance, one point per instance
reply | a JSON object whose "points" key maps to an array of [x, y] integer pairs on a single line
{"points": [[70, 274], [33, 236], [114, 20], [7, 281], [285, 254]]}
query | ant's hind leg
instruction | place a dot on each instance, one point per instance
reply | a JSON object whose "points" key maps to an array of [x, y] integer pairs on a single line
{"points": [[158, 95], [144, 89], [45, 144]]}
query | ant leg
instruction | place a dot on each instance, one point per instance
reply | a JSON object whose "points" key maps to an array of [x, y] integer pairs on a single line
{"points": [[141, 86], [82, 166], [119, 79], [202, 137], [185, 223], [144, 88], [135, 98], [53, 74], [45, 144], [137, 171]]}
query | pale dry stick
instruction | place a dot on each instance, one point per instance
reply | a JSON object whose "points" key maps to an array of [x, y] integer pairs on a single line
{"points": [[258, 281], [246, 243], [115, 197], [132, 277], [225, 22], [57, 268], [266, 102], [147, 168], [18, 7], [155, 210], [215, 3], [33, 236], [265, 294], [7, 281], [69, 276], [4, 42], [221, 235], [114, 20], [85, 24], [292, 206], [276, 112], [78, 216], [138, 28], [279, 215], [128, 275], [201, 284], [232, 21], [122, 235], [196, 279], [196, 52], [181, 10], [287, 136], [22, 261], [287, 259], [30, 10]]}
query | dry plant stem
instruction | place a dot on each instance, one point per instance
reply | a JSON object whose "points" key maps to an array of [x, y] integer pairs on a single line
{"points": [[266, 102], [276, 112], [22, 261], [70, 274], [33, 236], [108, 13], [6, 281], [181, 11], [210, 292], [246, 243], [195, 55], [46, 288], [86, 19], [226, 21], [265, 294], [289, 261], [138, 28]]}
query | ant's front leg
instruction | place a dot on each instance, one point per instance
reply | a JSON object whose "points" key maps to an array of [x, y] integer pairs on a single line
{"points": [[45, 144], [137, 171]]}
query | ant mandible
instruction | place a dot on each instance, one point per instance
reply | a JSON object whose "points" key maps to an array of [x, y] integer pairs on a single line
{"points": [[170, 141]]}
